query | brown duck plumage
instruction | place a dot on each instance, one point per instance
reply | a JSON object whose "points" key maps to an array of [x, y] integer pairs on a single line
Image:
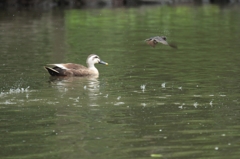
{"points": [[71, 69], [159, 39]]}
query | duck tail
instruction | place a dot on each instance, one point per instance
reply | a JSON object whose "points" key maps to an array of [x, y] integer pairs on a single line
{"points": [[52, 71]]}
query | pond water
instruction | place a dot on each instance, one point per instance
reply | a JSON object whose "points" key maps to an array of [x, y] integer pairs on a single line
{"points": [[148, 103]]}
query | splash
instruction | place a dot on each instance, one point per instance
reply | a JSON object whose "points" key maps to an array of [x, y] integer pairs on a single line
{"points": [[7, 102], [195, 104], [211, 103], [163, 85], [143, 87], [119, 103], [16, 91], [144, 104], [181, 106]]}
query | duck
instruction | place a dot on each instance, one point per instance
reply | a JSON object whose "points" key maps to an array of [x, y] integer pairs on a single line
{"points": [[72, 69], [159, 39]]}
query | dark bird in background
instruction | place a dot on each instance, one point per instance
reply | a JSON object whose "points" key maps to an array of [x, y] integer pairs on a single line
{"points": [[159, 39]]}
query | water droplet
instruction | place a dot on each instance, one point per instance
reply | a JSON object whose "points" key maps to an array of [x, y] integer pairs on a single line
{"points": [[211, 103], [144, 104], [195, 105], [163, 85], [143, 87], [181, 106], [119, 103]]}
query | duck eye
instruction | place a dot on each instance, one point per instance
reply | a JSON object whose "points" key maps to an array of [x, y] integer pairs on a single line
{"points": [[95, 57]]}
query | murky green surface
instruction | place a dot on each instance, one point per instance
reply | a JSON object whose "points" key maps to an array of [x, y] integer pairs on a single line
{"points": [[188, 109]]}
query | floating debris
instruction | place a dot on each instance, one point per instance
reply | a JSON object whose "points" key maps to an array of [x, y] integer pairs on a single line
{"points": [[156, 155]]}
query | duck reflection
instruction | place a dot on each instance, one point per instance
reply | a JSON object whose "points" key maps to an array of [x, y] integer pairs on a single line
{"points": [[77, 89]]}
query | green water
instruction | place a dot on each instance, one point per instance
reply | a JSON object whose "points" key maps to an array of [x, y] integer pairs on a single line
{"points": [[188, 109]]}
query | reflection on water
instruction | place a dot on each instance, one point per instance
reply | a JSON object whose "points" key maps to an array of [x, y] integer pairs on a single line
{"points": [[88, 86], [150, 102]]}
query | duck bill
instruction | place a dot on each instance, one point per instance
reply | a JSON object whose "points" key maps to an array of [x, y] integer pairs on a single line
{"points": [[102, 62]]}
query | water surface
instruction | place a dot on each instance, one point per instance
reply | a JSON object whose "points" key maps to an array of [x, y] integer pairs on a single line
{"points": [[149, 102]]}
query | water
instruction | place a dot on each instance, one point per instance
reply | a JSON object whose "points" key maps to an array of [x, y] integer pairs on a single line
{"points": [[148, 103]]}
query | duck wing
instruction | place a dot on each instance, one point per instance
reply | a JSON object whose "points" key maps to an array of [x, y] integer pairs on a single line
{"points": [[68, 69], [161, 39], [69, 66]]}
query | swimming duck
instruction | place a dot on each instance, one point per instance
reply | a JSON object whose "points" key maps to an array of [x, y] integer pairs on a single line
{"points": [[159, 39], [71, 69]]}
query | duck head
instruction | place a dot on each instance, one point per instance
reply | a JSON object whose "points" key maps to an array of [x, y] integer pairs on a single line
{"points": [[93, 59]]}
